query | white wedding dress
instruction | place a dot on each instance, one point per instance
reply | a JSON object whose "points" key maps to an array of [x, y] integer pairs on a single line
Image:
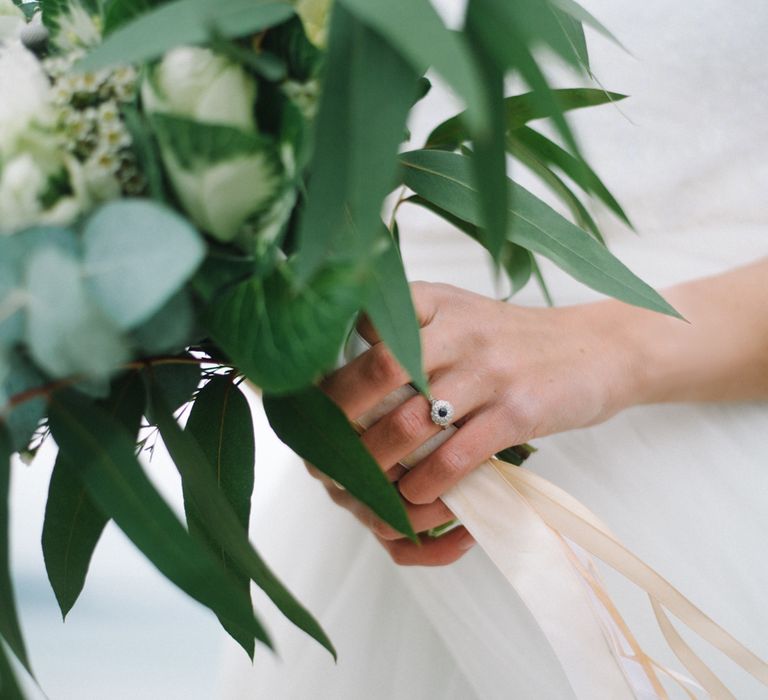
{"points": [[684, 486]]}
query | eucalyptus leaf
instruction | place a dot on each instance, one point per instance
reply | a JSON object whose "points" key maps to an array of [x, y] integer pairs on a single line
{"points": [[66, 333], [221, 523], [103, 453], [444, 179], [519, 110], [551, 153], [137, 255], [283, 338], [73, 522], [10, 629], [390, 308], [176, 378], [169, 329], [316, 429], [172, 24], [358, 130], [10, 688], [22, 419], [222, 425]]}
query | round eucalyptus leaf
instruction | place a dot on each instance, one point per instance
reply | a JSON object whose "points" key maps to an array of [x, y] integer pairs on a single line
{"points": [[137, 255]]}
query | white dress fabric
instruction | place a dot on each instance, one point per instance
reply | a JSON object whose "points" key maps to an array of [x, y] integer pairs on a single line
{"points": [[684, 486]]}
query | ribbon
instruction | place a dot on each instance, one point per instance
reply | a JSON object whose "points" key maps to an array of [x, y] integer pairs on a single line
{"points": [[542, 540]]}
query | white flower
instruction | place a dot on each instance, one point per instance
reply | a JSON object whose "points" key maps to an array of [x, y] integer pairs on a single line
{"points": [[24, 182], [77, 28], [12, 21], [25, 97], [314, 16], [199, 84]]}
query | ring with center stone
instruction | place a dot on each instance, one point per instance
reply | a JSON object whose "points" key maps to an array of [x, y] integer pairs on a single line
{"points": [[441, 412]]}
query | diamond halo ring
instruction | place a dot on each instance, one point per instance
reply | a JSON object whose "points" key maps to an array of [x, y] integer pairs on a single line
{"points": [[441, 412]]}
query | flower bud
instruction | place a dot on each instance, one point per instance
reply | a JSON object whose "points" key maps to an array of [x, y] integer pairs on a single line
{"points": [[314, 16]]}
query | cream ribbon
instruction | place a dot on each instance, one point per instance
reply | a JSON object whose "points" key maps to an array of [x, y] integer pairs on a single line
{"points": [[534, 532]]}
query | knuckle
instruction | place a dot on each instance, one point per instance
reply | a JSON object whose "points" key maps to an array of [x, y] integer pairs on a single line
{"points": [[518, 413], [382, 368], [415, 493], [451, 462], [407, 424]]}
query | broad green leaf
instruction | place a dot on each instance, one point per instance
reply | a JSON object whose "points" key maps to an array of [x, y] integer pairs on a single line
{"points": [[221, 522], [66, 333], [357, 133], [390, 308], [121, 11], [10, 630], [444, 179], [10, 689], [551, 153], [416, 31], [519, 110], [73, 522], [317, 430], [169, 329], [153, 33], [176, 378], [137, 255], [221, 424], [488, 157], [102, 452], [283, 338], [289, 41], [21, 419]]}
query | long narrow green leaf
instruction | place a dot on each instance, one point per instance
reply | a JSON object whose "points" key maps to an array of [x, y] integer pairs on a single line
{"points": [[10, 630], [417, 32], [445, 179], [550, 152], [519, 110], [358, 130], [489, 159], [576, 11], [574, 33], [316, 429], [221, 522], [183, 22], [221, 423], [390, 308], [73, 522], [10, 689], [102, 451]]}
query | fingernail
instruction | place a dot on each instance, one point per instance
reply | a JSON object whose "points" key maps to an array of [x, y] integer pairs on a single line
{"points": [[466, 542]]}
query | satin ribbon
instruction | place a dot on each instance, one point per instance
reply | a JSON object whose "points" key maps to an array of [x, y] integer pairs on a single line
{"points": [[540, 538]]}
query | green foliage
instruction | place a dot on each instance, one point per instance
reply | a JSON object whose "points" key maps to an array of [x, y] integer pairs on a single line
{"points": [[21, 419], [445, 180], [283, 338], [107, 465], [221, 524], [10, 631], [359, 128], [221, 424], [172, 24], [73, 522], [318, 431], [129, 284], [391, 311]]}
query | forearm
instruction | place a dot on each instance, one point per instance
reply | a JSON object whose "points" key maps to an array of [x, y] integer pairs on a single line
{"points": [[720, 354]]}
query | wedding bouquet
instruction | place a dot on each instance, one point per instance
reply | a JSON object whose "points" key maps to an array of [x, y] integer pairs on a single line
{"points": [[191, 194]]}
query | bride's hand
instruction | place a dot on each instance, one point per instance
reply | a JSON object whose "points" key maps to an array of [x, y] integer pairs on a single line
{"points": [[511, 373]]}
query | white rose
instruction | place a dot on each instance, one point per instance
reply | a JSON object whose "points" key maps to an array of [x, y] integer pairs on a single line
{"points": [[12, 21], [199, 84], [25, 97], [23, 183], [314, 16]]}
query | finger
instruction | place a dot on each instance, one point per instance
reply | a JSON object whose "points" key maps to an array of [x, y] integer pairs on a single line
{"points": [[483, 435], [422, 517], [432, 551], [398, 433], [370, 377]]}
